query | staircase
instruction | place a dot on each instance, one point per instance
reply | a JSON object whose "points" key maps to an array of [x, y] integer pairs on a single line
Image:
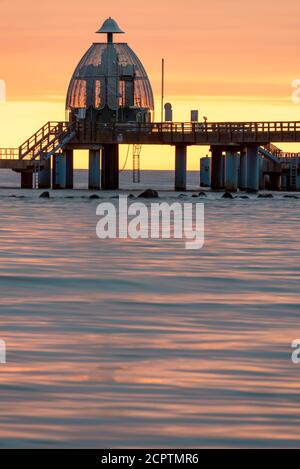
{"points": [[47, 140], [288, 161], [271, 152], [275, 151], [271, 148], [136, 174]]}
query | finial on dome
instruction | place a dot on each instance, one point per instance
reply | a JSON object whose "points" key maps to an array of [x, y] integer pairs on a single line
{"points": [[110, 27]]}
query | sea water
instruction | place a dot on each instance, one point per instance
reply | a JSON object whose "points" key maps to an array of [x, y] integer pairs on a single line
{"points": [[123, 343]]}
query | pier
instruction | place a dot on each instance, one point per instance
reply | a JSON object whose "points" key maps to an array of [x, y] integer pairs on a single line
{"points": [[236, 149], [110, 103]]}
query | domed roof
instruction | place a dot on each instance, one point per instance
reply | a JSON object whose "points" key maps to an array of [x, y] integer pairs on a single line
{"points": [[100, 78], [110, 26]]}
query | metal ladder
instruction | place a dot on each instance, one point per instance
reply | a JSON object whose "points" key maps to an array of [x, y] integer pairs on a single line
{"points": [[36, 172], [136, 173], [293, 174]]}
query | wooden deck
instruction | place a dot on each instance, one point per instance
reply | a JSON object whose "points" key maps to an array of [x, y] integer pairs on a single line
{"points": [[59, 136], [9, 159]]}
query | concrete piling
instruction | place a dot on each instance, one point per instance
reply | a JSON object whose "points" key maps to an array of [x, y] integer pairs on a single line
{"points": [[252, 168], [261, 174], [110, 167], [62, 174], [217, 168], [275, 182], [59, 171], [231, 171], [69, 155], [44, 177], [205, 172], [26, 180], [180, 167], [94, 170], [243, 170]]}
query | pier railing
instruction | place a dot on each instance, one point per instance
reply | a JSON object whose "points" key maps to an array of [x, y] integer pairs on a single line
{"points": [[208, 127], [54, 136], [195, 133], [9, 153]]}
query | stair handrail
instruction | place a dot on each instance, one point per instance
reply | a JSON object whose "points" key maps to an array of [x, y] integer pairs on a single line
{"points": [[62, 130], [44, 132], [31, 141], [271, 148], [57, 129]]}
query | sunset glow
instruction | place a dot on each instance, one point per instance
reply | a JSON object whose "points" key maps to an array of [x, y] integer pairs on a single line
{"points": [[230, 66], [149, 263]]}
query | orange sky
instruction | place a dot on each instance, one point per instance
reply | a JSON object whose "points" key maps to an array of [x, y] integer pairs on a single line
{"points": [[231, 59]]}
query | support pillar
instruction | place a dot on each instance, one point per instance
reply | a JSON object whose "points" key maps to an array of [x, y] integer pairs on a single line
{"points": [[180, 167], [44, 179], [94, 169], [26, 180], [252, 168], [231, 171], [217, 168], [110, 167], [284, 183], [275, 182], [205, 172], [59, 171], [243, 170], [69, 155], [261, 174], [62, 172]]}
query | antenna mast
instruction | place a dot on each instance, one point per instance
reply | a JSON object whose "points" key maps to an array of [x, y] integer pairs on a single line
{"points": [[162, 88]]}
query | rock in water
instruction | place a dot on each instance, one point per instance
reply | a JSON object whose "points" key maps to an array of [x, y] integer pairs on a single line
{"points": [[202, 194], [266, 196], [149, 194], [94, 197], [227, 195], [45, 195]]}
